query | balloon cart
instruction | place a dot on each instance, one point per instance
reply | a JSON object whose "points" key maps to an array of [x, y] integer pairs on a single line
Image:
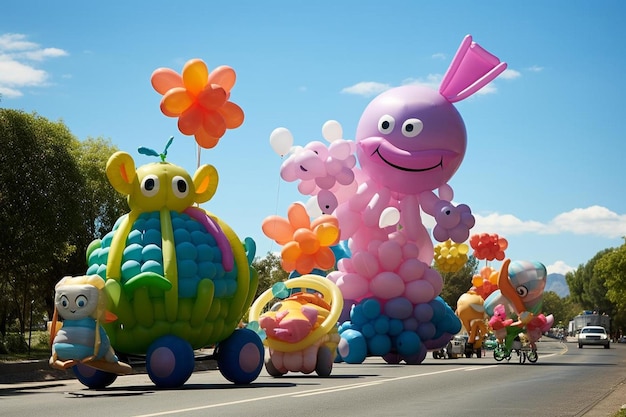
{"points": [[300, 329], [177, 277]]}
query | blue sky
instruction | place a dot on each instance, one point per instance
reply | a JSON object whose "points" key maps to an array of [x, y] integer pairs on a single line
{"points": [[545, 152]]}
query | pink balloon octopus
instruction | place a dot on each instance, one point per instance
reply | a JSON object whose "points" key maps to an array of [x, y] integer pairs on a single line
{"points": [[409, 142]]}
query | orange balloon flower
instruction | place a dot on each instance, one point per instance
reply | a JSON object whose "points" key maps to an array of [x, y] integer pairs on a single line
{"points": [[306, 244], [199, 99], [486, 282]]}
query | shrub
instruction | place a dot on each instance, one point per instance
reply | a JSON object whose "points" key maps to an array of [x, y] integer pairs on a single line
{"points": [[15, 343], [3, 348]]}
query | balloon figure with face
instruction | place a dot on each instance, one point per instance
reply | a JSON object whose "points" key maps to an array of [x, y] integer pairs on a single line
{"points": [[520, 299], [177, 276], [410, 141], [79, 336]]}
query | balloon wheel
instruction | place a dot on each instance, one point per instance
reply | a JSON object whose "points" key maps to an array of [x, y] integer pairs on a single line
{"points": [[170, 361], [92, 377], [240, 357], [325, 361], [271, 369], [532, 356]]}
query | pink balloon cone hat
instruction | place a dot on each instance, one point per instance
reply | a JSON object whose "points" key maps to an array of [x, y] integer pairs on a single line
{"points": [[470, 70]]}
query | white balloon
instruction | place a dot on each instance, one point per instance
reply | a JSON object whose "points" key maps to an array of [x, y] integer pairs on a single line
{"points": [[332, 130], [389, 217], [313, 207], [281, 140]]}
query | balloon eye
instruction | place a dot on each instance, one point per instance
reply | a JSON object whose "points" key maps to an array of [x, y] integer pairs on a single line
{"points": [[522, 291], [412, 127], [180, 187], [150, 185], [81, 301], [276, 307], [64, 301], [386, 124]]}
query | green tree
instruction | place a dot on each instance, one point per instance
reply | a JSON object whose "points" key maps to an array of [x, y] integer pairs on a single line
{"points": [[563, 309], [588, 289], [270, 272], [40, 184], [457, 283], [100, 207], [611, 269]]}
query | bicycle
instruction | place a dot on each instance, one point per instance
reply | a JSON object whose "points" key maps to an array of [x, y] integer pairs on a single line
{"points": [[523, 352]]}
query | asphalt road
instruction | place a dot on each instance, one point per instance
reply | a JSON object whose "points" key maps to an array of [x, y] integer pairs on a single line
{"points": [[566, 381]]}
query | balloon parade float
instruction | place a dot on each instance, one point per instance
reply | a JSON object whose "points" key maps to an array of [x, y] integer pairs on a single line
{"points": [[176, 276], [79, 337], [507, 302], [409, 142], [300, 328], [516, 309]]}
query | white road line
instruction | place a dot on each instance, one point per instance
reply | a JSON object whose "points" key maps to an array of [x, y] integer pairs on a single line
{"points": [[313, 392]]}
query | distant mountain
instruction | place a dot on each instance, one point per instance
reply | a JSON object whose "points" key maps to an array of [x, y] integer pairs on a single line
{"points": [[557, 284]]}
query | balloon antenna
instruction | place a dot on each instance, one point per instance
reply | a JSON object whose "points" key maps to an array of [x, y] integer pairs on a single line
{"points": [[151, 152]]}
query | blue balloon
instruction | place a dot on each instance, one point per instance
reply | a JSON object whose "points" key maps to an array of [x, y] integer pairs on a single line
{"points": [[370, 308], [379, 345], [399, 308], [408, 343], [352, 347]]}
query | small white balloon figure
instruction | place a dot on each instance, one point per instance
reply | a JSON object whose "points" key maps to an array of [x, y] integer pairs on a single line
{"points": [[81, 304]]}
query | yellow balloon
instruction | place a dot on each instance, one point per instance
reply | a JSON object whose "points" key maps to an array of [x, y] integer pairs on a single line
{"points": [[195, 75]]}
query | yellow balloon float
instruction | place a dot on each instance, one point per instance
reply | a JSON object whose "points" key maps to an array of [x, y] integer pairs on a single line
{"points": [[450, 256]]}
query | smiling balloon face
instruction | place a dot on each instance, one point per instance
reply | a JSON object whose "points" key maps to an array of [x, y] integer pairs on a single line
{"points": [[411, 139]]}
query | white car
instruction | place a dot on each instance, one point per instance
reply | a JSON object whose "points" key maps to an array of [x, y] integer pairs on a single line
{"points": [[593, 335]]}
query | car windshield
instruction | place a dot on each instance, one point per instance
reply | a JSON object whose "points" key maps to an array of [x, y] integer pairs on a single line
{"points": [[592, 330]]}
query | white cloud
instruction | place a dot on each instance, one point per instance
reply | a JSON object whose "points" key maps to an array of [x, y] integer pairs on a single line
{"points": [[41, 54], [15, 42], [535, 68], [433, 81], [594, 221], [559, 267], [16, 69], [366, 88], [439, 55], [510, 74]]}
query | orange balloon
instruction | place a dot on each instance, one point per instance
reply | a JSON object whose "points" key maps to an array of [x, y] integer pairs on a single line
{"points": [[291, 252], [195, 75], [190, 120], [278, 229], [307, 241], [305, 264], [224, 76], [211, 96], [298, 217], [325, 258], [213, 123], [176, 101], [205, 140], [164, 79], [232, 114]]}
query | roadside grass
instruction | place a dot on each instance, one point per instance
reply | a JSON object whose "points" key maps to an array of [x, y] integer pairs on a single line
{"points": [[39, 347]]}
